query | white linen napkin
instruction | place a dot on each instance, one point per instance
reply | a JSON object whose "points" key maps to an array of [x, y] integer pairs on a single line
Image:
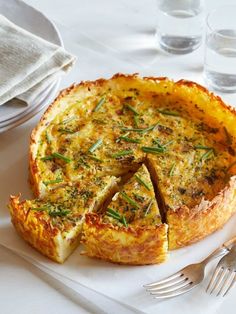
{"points": [[28, 63]]}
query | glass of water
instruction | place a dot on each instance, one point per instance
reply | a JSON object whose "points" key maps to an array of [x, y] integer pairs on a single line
{"points": [[180, 25], [220, 49]]}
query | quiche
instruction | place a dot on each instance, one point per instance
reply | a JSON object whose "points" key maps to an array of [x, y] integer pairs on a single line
{"points": [[129, 230], [97, 135]]}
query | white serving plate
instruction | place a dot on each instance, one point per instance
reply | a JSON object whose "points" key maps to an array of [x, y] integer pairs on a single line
{"points": [[28, 18]]}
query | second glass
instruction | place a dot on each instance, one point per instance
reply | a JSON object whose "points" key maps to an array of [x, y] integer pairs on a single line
{"points": [[180, 25]]}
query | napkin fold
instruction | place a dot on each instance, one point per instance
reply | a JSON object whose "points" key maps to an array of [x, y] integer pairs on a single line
{"points": [[28, 63]]}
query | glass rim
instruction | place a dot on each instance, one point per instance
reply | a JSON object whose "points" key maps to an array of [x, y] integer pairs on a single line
{"points": [[217, 30]]}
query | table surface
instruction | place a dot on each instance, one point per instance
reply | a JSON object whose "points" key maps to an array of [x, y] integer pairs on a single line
{"points": [[108, 37]]}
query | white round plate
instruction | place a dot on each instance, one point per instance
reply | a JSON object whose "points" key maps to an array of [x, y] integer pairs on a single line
{"points": [[30, 19]]}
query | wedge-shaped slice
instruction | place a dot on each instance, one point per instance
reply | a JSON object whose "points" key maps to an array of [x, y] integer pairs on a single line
{"points": [[53, 225], [130, 230]]}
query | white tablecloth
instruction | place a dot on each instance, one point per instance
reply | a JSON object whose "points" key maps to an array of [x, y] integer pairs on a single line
{"points": [[108, 37]]}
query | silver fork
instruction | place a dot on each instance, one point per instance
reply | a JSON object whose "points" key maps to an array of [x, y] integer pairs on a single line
{"points": [[187, 278], [224, 275]]}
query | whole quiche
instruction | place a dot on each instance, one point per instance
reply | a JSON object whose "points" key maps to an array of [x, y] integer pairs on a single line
{"points": [[136, 166]]}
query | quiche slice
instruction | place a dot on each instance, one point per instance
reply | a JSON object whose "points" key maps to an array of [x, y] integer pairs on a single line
{"points": [[130, 230], [53, 225]]}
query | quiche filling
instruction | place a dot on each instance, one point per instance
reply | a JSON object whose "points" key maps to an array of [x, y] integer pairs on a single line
{"points": [[98, 132]]}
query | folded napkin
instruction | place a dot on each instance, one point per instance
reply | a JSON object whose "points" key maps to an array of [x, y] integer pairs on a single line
{"points": [[28, 63]]}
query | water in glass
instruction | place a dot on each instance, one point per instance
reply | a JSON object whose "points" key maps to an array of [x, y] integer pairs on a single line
{"points": [[220, 60], [179, 28]]}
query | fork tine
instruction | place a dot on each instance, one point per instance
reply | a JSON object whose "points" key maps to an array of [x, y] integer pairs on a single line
{"points": [[230, 284], [172, 288], [178, 274], [224, 282], [213, 278], [175, 293], [219, 280], [168, 284]]}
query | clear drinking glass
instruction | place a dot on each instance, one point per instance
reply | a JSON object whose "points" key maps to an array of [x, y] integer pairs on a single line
{"points": [[220, 49], [180, 25]]}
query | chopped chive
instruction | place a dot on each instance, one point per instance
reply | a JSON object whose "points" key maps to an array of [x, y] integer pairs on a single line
{"points": [[140, 181], [150, 128], [112, 213], [172, 169], [95, 146], [66, 131], [168, 112], [68, 120], [129, 200], [118, 139], [40, 209], [122, 153], [123, 221], [203, 147], [136, 120], [132, 109], [230, 166], [48, 138], [58, 213], [148, 208], [228, 136], [168, 143], [62, 157], [52, 181], [153, 150], [95, 158], [130, 140], [207, 154], [49, 157], [99, 104], [82, 162]]}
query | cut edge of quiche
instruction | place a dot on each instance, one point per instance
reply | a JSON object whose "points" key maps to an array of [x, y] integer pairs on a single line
{"points": [[36, 225], [130, 230]]}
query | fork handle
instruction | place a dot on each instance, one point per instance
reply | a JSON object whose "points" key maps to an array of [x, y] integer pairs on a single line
{"points": [[224, 248], [229, 244]]}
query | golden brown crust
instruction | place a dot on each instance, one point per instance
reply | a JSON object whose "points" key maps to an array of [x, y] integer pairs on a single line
{"points": [[132, 245], [187, 226], [39, 233]]}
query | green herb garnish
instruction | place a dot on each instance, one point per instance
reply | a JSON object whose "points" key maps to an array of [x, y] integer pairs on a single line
{"points": [[66, 131], [148, 208], [68, 120], [58, 213], [52, 181], [136, 120], [40, 209], [48, 138], [207, 154], [95, 158], [122, 153], [153, 150], [139, 130], [112, 213], [99, 104], [130, 140], [203, 147], [95, 146], [49, 157], [62, 157], [82, 162], [168, 112], [172, 169], [132, 109], [129, 200], [140, 181]]}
